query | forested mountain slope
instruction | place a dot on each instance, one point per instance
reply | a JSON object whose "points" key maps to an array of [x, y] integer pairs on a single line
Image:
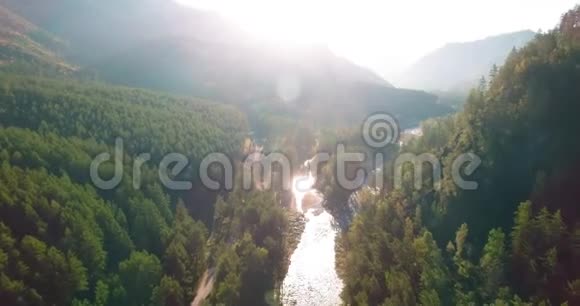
{"points": [[124, 246], [23, 46], [517, 234]]}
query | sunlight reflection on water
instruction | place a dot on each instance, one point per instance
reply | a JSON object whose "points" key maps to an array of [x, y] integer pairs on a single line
{"points": [[312, 278]]}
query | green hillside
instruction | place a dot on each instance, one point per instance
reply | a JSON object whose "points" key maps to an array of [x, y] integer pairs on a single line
{"points": [[107, 247], [23, 46], [514, 239]]}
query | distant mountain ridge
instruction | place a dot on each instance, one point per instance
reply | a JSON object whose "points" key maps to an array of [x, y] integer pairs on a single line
{"points": [[227, 71], [167, 47], [458, 66], [100, 31]]}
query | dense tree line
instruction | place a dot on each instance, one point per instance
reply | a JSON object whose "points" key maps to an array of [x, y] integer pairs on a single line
{"points": [[249, 248], [514, 240], [393, 259], [64, 241], [148, 122]]}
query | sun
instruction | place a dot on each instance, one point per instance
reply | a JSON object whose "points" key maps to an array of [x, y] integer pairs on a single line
{"points": [[293, 22]]}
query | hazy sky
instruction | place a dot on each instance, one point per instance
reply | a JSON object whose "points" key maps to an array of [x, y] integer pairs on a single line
{"points": [[383, 35]]}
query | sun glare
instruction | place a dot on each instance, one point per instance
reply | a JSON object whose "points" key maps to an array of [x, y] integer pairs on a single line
{"points": [[294, 22], [358, 30]]}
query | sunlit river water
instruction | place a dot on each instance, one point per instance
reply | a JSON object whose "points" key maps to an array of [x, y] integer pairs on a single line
{"points": [[311, 277]]}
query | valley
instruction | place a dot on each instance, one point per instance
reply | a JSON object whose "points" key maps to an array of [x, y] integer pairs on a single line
{"points": [[105, 115]]}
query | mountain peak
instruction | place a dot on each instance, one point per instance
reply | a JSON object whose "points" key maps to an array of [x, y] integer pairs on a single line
{"points": [[459, 64]]}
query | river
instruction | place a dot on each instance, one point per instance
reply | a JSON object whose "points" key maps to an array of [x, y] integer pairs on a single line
{"points": [[312, 277]]}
